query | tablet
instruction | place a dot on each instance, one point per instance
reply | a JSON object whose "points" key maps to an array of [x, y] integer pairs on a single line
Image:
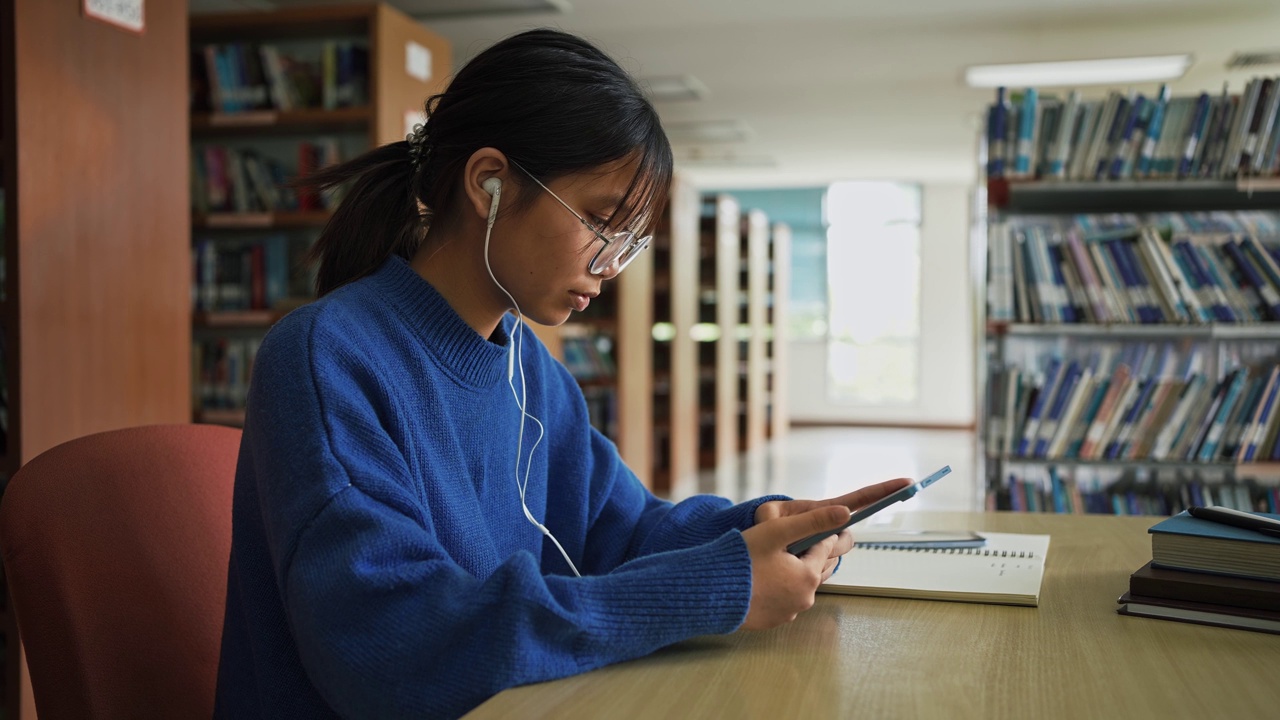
{"points": [[798, 547]]}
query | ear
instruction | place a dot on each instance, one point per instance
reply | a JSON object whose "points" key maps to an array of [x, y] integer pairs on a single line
{"points": [[483, 164]]}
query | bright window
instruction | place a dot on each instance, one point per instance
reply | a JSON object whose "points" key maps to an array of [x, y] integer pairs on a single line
{"points": [[873, 276]]}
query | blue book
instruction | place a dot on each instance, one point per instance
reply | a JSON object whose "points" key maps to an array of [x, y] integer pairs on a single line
{"points": [[1207, 311], [997, 116], [1132, 290], [1198, 122], [1026, 132], [1183, 542], [1115, 129], [1250, 442], [1144, 282], [1155, 128], [1250, 281], [1037, 407], [1267, 271], [1209, 449], [1132, 124], [1049, 426], [1224, 284], [1068, 309], [1213, 294], [1117, 447], [1239, 419]]}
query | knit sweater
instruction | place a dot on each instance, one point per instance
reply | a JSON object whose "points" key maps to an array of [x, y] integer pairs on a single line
{"points": [[381, 563]]}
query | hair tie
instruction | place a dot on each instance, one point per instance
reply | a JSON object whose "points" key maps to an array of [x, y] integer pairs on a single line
{"points": [[417, 144]]}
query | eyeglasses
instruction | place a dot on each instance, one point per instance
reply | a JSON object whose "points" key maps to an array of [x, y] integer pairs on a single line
{"points": [[619, 249]]}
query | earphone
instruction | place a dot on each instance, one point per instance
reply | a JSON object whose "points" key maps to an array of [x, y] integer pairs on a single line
{"points": [[493, 186]]}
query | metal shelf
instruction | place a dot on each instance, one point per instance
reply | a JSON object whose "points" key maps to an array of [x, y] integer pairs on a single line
{"points": [[1259, 470], [1251, 331], [1104, 196]]}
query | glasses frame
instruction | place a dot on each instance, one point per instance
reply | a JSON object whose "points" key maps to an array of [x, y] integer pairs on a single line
{"points": [[631, 247]]}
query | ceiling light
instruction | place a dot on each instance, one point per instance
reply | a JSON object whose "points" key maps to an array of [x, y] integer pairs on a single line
{"points": [[674, 88], [1079, 72], [707, 131]]}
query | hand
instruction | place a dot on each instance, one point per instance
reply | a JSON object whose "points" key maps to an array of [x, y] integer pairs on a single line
{"points": [[850, 501], [783, 585]]}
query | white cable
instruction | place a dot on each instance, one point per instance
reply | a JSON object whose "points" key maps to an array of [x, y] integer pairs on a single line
{"points": [[521, 398]]}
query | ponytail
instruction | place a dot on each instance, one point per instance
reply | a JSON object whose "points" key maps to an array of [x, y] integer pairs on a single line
{"points": [[378, 216]]}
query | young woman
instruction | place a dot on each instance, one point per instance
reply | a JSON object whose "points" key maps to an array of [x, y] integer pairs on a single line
{"points": [[423, 515]]}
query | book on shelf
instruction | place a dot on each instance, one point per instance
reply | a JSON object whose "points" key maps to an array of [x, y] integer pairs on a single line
{"points": [[241, 275], [1140, 401], [1130, 491], [1197, 587], [223, 368], [1006, 570], [1054, 270], [1126, 135], [1183, 542], [236, 180], [1227, 616], [239, 77]]}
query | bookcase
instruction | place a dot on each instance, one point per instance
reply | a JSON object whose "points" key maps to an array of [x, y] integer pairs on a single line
{"points": [[1128, 268], [94, 325], [275, 95], [678, 358]]}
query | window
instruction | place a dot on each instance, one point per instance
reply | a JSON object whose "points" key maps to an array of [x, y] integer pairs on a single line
{"points": [[873, 276]]}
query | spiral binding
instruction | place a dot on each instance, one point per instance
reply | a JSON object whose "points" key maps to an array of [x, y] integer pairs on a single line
{"points": [[980, 552]]}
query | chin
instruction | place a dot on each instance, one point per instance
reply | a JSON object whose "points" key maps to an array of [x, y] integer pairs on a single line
{"points": [[549, 319]]}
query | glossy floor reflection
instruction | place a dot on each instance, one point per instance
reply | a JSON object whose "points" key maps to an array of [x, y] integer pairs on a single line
{"points": [[821, 462]]}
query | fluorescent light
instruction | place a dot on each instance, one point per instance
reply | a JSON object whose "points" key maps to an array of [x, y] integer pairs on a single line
{"points": [[1079, 72], [707, 131], [674, 88]]}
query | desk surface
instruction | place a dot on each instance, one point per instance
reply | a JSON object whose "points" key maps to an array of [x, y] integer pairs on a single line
{"points": [[1073, 657]]}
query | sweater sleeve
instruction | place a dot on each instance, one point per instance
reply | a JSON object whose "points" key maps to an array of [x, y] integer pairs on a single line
{"points": [[386, 623], [628, 521]]}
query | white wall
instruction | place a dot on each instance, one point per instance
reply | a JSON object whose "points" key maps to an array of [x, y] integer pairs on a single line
{"points": [[947, 339]]}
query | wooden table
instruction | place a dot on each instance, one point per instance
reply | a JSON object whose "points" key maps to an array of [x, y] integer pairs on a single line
{"points": [[1073, 657]]}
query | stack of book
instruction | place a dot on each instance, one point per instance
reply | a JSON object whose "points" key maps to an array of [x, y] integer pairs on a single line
{"points": [[1208, 573]]}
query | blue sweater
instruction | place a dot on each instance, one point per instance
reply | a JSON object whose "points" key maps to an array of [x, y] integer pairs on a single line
{"points": [[381, 564]]}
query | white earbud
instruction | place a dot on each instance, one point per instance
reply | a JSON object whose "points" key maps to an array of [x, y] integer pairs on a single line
{"points": [[493, 186]]}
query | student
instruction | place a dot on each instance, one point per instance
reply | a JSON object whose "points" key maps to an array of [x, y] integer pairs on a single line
{"points": [[407, 541]]}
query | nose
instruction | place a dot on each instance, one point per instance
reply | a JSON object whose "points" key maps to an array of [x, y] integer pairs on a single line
{"points": [[609, 272]]}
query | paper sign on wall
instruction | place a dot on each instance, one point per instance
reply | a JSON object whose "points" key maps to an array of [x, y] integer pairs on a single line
{"points": [[417, 61], [127, 14]]}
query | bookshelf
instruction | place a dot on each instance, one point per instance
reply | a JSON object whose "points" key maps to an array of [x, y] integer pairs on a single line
{"points": [[777, 417], [1139, 263], [308, 86], [92, 171]]}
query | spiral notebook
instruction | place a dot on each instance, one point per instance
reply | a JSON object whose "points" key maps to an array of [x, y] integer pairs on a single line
{"points": [[1006, 571]]}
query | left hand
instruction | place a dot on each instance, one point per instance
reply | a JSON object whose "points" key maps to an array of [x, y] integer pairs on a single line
{"points": [[851, 501]]}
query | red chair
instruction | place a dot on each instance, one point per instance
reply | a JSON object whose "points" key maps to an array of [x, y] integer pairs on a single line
{"points": [[115, 550]]}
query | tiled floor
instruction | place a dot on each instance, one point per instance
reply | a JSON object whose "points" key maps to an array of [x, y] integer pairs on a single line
{"points": [[821, 462]]}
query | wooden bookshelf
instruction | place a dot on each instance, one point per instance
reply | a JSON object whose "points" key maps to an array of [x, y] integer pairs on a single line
{"points": [[226, 333], [96, 238], [778, 413]]}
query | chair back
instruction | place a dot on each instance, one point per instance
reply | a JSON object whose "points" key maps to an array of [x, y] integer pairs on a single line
{"points": [[115, 552]]}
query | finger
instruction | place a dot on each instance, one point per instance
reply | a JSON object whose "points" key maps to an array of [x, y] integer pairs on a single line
{"points": [[785, 530], [844, 543], [817, 557], [869, 494], [830, 568]]}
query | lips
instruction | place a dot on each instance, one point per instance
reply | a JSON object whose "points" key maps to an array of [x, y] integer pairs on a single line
{"points": [[581, 300]]}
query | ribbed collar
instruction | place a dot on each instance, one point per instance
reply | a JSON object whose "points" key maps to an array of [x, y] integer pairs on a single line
{"points": [[462, 352]]}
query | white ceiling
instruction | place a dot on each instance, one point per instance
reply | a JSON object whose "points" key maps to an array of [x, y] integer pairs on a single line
{"points": [[850, 89]]}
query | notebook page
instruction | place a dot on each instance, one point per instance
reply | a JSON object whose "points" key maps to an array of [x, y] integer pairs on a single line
{"points": [[1008, 570]]}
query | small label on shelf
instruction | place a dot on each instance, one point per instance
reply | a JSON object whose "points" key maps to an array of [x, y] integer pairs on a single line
{"points": [[417, 61]]}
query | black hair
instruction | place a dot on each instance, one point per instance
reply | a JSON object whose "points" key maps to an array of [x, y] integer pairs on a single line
{"points": [[551, 101]]}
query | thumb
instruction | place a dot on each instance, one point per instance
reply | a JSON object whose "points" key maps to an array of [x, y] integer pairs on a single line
{"points": [[788, 529]]}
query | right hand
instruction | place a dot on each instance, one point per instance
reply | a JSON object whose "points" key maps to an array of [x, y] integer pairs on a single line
{"points": [[783, 585]]}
